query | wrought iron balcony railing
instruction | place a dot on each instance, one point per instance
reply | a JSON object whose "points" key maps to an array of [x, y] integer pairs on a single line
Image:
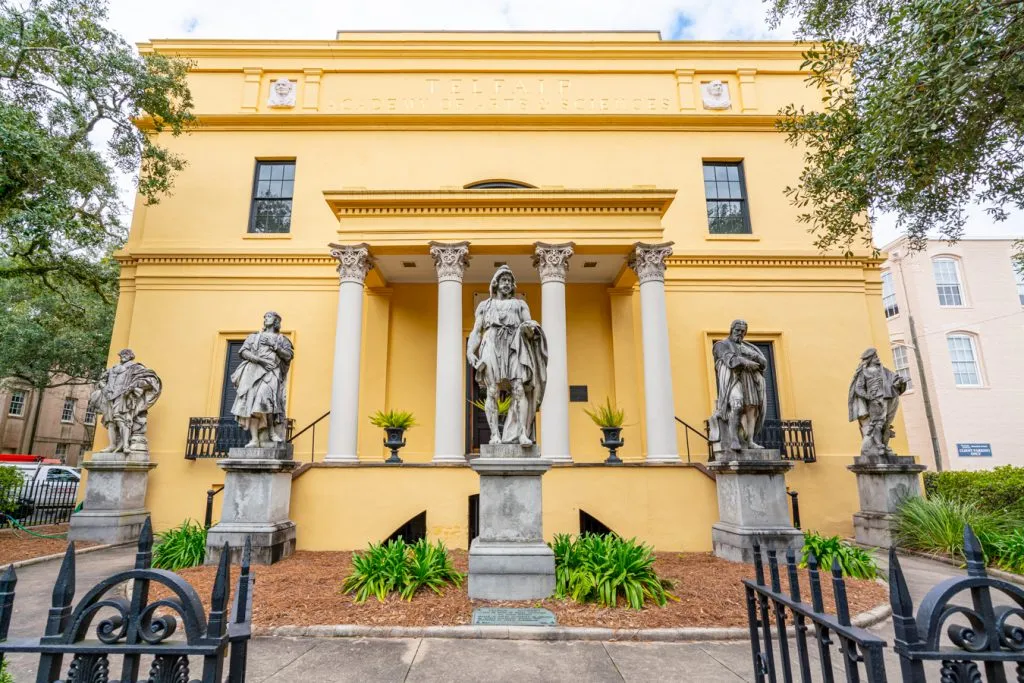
{"points": [[794, 439], [213, 437]]}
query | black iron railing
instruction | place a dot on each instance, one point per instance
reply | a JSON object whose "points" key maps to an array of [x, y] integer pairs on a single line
{"points": [[42, 501], [213, 437], [132, 628], [794, 439], [699, 437], [992, 636], [771, 652], [311, 427]]}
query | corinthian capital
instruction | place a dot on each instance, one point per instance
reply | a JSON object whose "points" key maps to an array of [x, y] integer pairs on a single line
{"points": [[450, 260], [648, 261], [552, 260], [354, 261]]}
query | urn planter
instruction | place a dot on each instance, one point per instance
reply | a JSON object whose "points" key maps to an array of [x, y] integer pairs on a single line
{"points": [[613, 441], [394, 441]]}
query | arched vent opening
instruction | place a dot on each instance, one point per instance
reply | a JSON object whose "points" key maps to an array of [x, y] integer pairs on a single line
{"points": [[498, 184], [411, 531]]}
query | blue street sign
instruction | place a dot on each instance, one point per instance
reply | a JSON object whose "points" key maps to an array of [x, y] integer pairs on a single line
{"points": [[974, 450]]}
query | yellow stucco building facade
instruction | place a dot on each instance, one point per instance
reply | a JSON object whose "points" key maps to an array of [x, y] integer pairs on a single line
{"points": [[381, 144]]}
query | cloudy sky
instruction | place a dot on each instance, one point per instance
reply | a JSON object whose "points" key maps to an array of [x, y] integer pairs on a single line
{"points": [[320, 19]]}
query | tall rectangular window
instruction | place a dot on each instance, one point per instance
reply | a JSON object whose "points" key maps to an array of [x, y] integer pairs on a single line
{"points": [[964, 354], [90, 415], [61, 451], [947, 282], [272, 188], [67, 414], [902, 363], [16, 408], [1019, 273], [889, 296], [726, 195]]}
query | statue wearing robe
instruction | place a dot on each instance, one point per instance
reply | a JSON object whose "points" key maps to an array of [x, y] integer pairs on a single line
{"points": [[873, 399], [260, 383], [123, 397], [742, 400]]}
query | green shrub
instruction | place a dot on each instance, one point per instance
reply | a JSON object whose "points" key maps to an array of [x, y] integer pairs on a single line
{"points": [[600, 568], [854, 561], [393, 419], [182, 547], [5, 675], [1009, 551], [398, 567], [936, 524], [10, 484], [996, 491]]}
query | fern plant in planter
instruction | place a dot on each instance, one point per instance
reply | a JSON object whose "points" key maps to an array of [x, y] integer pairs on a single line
{"points": [[394, 423], [609, 419]]}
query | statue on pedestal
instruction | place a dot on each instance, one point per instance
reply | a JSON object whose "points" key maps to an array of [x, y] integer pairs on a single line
{"points": [[873, 399], [508, 350], [741, 405], [123, 397], [260, 382]]}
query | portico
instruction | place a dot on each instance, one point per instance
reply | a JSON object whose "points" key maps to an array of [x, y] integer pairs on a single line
{"points": [[601, 243]]}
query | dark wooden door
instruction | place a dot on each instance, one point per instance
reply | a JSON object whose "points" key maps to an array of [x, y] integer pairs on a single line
{"points": [[477, 431], [771, 386], [229, 434]]}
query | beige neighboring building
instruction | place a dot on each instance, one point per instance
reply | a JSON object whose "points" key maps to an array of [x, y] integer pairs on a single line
{"points": [[65, 428], [961, 307]]}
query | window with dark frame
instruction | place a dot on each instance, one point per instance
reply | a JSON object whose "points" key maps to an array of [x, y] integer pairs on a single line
{"points": [[726, 195], [272, 188]]}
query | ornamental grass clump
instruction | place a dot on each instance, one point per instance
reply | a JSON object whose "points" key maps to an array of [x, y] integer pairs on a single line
{"points": [[854, 562], [393, 419], [602, 568], [182, 547], [607, 416], [936, 525], [400, 567]]}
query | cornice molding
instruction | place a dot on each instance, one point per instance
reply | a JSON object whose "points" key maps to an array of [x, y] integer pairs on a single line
{"points": [[771, 260], [518, 202], [569, 122]]}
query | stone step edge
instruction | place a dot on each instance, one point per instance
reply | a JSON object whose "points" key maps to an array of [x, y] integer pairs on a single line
{"points": [[866, 619]]}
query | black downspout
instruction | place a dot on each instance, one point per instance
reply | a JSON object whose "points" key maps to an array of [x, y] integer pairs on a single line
{"points": [[35, 421]]}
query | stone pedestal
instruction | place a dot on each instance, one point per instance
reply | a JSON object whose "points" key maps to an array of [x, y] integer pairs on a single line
{"points": [[752, 504], [882, 484], [257, 493], [509, 560], [114, 507]]}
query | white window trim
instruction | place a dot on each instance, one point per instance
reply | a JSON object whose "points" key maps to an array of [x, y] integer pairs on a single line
{"points": [[24, 401], [961, 283], [63, 409], [976, 351], [910, 373], [895, 299], [89, 419]]}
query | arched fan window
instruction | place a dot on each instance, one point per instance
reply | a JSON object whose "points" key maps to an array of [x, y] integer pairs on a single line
{"points": [[498, 184]]}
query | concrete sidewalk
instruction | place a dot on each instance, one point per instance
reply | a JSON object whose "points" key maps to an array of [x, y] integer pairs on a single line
{"points": [[313, 660]]}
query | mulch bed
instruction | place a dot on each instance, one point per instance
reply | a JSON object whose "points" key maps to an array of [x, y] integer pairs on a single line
{"points": [[16, 545], [305, 590]]}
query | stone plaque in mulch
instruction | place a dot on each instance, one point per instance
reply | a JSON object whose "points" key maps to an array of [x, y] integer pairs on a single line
{"points": [[305, 590], [513, 616]]}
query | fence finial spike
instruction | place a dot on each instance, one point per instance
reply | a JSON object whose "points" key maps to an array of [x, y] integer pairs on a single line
{"points": [[146, 536], [64, 587], [973, 553], [812, 561], [899, 595], [220, 584], [9, 577]]}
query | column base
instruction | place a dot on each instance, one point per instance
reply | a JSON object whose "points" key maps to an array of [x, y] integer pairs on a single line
{"points": [[666, 457], [510, 571], [736, 544], [107, 526], [342, 458], [558, 458], [449, 459], [270, 542]]}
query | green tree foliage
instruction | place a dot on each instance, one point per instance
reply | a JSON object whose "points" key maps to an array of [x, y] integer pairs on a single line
{"points": [[10, 485], [924, 113], [53, 338], [67, 82]]}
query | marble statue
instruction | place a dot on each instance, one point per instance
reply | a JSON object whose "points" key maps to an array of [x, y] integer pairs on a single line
{"points": [[260, 382], [509, 352], [873, 400], [715, 95], [741, 405], [282, 93], [123, 397]]}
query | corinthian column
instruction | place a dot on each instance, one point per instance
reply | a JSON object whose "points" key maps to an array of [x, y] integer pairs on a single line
{"points": [[354, 262], [450, 261], [648, 262], [552, 263]]}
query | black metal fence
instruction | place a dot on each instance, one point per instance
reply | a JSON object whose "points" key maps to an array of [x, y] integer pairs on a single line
{"points": [[992, 637], [772, 656], [213, 437], [135, 627], [794, 439], [38, 502]]}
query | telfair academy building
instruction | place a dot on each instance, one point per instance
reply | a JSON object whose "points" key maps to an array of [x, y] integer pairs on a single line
{"points": [[367, 187]]}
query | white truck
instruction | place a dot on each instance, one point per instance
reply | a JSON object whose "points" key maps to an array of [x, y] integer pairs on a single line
{"points": [[47, 491]]}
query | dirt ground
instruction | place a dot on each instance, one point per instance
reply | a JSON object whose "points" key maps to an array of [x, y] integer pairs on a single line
{"points": [[16, 545], [305, 590]]}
